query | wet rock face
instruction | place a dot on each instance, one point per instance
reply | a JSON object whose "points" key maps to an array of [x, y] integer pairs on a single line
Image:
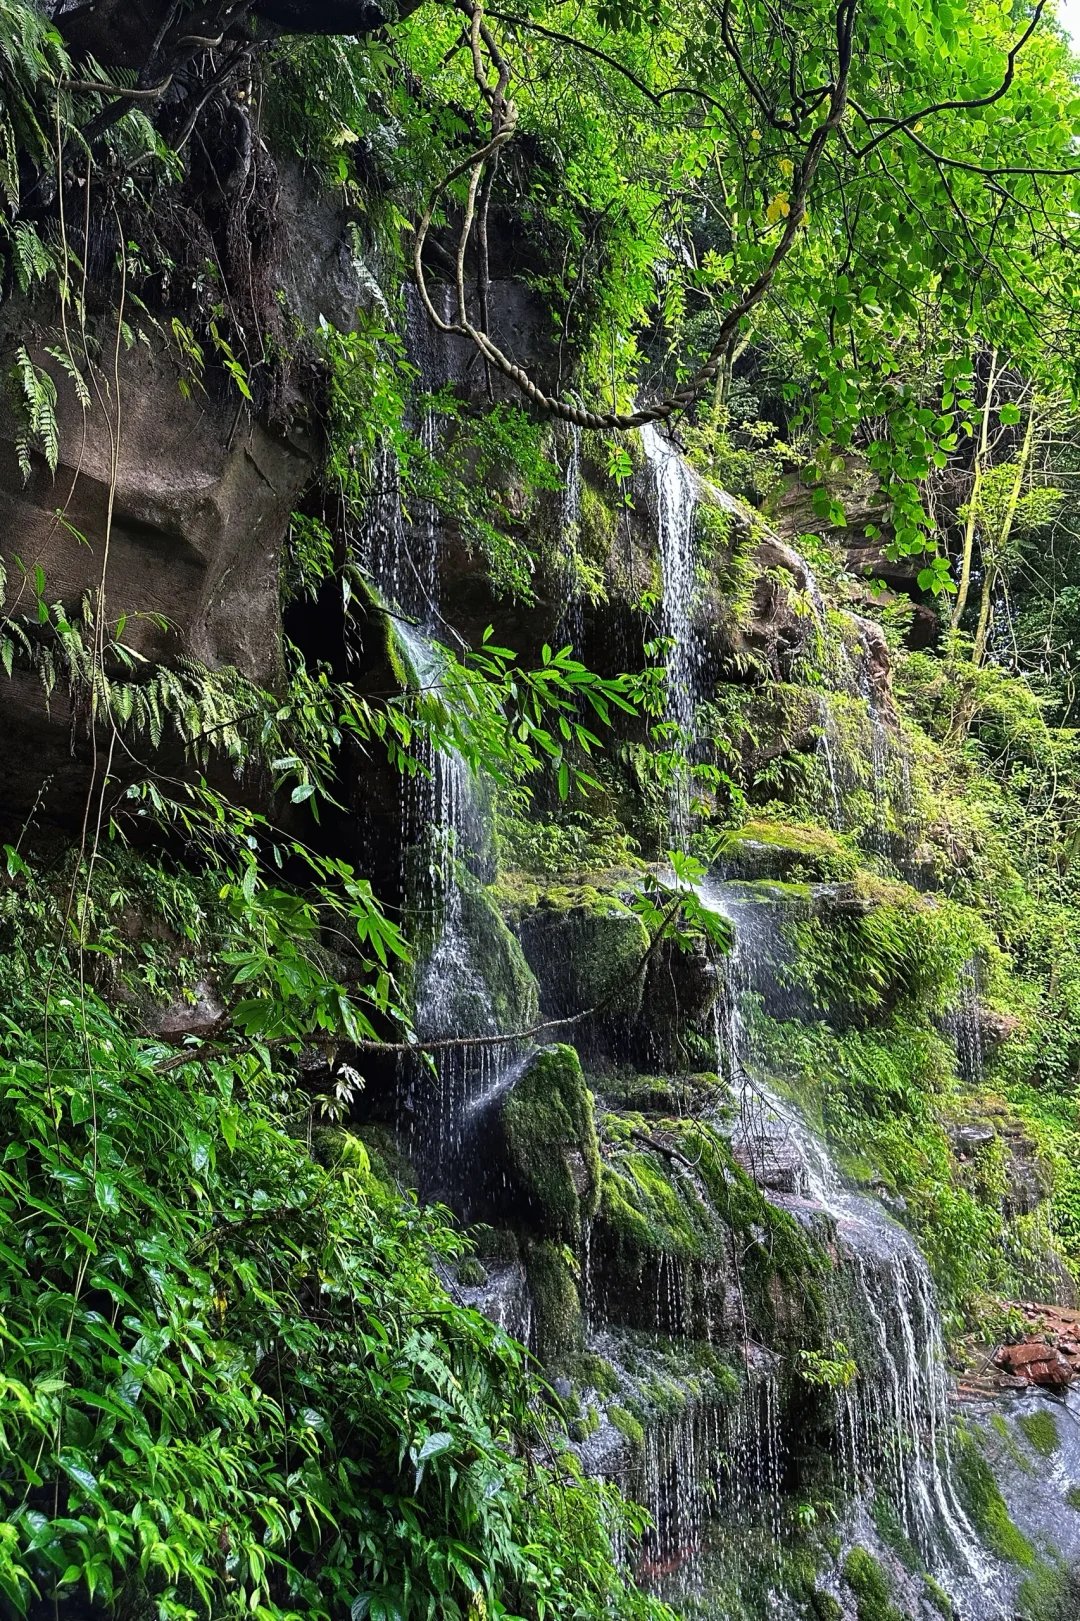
{"points": [[549, 1152], [201, 500], [186, 540]]}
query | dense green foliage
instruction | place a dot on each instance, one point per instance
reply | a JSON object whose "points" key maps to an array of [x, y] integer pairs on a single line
{"points": [[233, 1381], [838, 248]]}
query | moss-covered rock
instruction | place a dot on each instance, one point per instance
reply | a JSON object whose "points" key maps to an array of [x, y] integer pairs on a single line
{"points": [[557, 1330], [675, 1207], [1041, 1431], [665, 1095], [585, 946], [987, 1508], [790, 851], [867, 1580], [552, 1155]]}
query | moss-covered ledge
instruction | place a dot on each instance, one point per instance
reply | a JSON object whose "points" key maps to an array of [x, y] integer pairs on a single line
{"points": [[552, 1155], [583, 942]]}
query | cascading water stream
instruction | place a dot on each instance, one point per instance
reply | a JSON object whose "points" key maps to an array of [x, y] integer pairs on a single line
{"points": [[828, 748], [963, 1024], [879, 755], [442, 814], [894, 1416], [676, 502]]}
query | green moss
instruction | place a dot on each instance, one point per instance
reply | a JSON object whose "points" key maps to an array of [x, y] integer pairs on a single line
{"points": [[789, 850], [587, 948], [1050, 1593], [599, 527], [471, 1273], [647, 1215], [550, 1132], [873, 1596], [592, 1372], [1072, 1497], [627, 1425], [938, 1597], [512, 992], [685, 1202], [1041, 1431], [664, 1095], [556, 1321], [588, 1424], [773, 1246], [986, 1506]]}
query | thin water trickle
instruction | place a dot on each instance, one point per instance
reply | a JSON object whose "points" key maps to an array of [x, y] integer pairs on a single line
{"points": [[879, 754], [676, 501], [571, 617], [963, 1023], [828, 748]]}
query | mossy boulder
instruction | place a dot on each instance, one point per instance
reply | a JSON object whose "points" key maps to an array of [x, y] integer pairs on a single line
{"points": [[585, 946], [675, 1209], [551, 1155], [666, 1095], [791, 852], [557, 1328], [674, 1028], [868, 1582]]}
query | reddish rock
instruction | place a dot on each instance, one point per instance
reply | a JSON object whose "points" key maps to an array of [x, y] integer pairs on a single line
{"points": [[1038, 1363]]}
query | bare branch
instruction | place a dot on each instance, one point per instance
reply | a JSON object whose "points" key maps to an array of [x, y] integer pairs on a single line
{"points": [[504, 118]]}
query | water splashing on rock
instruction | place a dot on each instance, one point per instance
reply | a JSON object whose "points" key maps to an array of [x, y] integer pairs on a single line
{"points": [[892, 1420]]}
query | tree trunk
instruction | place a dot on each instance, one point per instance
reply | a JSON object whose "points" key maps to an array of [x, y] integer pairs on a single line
{"points": [[973, 503], [997, 555]]}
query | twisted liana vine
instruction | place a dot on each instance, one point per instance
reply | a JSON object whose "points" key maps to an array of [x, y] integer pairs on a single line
{"points": [[493, 81]]}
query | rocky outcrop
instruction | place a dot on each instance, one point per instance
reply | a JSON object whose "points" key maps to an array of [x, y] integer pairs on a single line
{"points": [[1048, 1354], [184, 531], [181, 532]]}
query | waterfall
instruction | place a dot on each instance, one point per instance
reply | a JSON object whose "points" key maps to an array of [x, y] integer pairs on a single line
{"points": [[444, 816], [879, 756], [827, 750], [676, 501], [716, 1462], [893, 1419], [963, 1023]]}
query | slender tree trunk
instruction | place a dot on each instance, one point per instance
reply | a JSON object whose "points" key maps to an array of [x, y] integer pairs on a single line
{"points": [[996, 556], [973, 502]]}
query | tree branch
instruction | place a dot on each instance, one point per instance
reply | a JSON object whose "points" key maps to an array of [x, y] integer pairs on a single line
{"points": [[965, 105], [449, 1043], [504, 118]]}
